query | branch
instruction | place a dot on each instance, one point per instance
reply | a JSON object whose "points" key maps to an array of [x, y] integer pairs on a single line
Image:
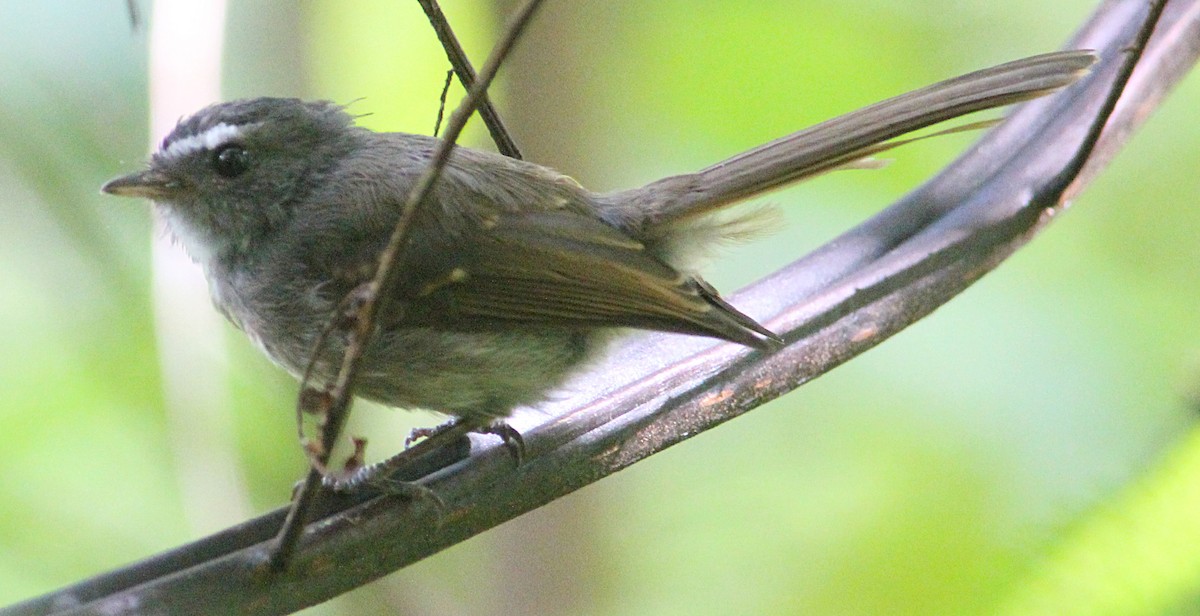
{"points": [[466, 76], [830, 306]]}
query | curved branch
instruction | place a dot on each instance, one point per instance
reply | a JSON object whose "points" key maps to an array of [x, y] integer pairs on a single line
{"points": [[831, 305]]}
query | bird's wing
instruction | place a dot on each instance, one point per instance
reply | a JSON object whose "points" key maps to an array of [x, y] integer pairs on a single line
{"points": [[569, 269]]}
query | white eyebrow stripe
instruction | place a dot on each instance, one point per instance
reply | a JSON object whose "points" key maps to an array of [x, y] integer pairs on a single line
{"points": [[208, 140]]}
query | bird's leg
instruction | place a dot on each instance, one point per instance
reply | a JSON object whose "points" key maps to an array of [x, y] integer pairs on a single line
{"points": [[378, 475], [512, 439]]}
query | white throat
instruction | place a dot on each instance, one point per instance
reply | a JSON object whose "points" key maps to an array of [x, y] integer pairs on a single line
{"points": [[200, 245]]}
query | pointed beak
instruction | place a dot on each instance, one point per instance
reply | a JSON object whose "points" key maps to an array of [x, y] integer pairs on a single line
{"points": [[149, 184]]}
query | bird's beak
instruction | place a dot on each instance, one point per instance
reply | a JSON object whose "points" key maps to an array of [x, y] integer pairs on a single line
{"points": [[149, 184]]}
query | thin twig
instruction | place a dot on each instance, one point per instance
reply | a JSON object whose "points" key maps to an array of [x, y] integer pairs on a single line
{"points": [[377, 293], [437, 124], [466, 75]]}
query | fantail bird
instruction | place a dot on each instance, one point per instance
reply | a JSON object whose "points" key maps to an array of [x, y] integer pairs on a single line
{"points": [[513, 272]]}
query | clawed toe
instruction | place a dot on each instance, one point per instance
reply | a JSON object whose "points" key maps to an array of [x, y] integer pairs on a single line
{"points": [[511, 437]]}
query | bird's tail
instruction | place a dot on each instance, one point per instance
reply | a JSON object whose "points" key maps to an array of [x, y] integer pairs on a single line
{"points": [[845, 139]]}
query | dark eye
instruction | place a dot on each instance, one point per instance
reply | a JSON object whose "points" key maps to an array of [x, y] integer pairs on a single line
{"points": [[231, 160]]}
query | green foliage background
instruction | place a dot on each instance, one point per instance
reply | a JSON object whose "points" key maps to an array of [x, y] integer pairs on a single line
{"points": [[1027, 449]]}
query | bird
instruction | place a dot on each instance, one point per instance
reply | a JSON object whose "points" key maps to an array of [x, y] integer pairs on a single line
{"points": [[514, 274]]}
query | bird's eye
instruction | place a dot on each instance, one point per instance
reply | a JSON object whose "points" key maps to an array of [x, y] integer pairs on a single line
{"points": [[231, 160]]}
